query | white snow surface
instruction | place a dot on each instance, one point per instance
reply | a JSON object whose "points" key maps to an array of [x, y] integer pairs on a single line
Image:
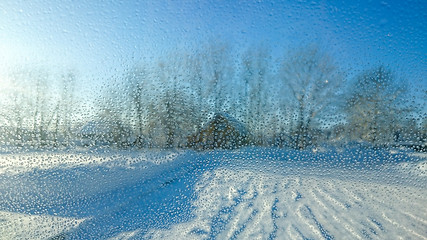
{"points": [[252, 193]]}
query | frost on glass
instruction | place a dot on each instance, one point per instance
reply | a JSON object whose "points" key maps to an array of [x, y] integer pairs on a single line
{"points": [[213, 120]]}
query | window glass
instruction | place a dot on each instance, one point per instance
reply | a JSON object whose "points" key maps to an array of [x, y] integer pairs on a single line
{"points": [[213, 119]]}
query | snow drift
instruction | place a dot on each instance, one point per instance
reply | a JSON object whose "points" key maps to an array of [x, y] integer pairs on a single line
{"points": [[245, 194]]}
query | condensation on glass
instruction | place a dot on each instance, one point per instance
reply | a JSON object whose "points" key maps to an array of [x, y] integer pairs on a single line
{"points": [[213, 120]]}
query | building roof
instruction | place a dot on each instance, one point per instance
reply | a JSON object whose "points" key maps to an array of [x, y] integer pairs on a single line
{"points": [[222, 131]]}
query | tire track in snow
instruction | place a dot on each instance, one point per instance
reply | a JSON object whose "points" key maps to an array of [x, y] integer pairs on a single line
{"points": [[289, 207]]}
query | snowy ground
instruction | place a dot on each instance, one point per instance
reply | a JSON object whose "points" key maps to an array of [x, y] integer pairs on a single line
{"points": [[245, 194]]}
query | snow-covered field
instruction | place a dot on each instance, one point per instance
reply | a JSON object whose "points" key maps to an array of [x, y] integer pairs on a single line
{"points": [[245, 194]]}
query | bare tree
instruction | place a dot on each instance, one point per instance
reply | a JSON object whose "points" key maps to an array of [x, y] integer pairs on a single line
{"points": [[31, 105], [218, 72], [137, 80], [174, 106], [311, 80], [199, 90], [39, 106], [254, 74], [63, 109], [14, 108], [373, 106], [116, 111]]}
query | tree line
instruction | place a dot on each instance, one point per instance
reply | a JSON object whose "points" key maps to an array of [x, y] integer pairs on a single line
{"points": [[300, 100], [37, 108]]}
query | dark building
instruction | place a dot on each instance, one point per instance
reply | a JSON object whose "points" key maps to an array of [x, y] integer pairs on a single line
{"points": [[221, 132]]}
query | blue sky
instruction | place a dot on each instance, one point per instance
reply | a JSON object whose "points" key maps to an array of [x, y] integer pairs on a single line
{"points": [[100, 38]]}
